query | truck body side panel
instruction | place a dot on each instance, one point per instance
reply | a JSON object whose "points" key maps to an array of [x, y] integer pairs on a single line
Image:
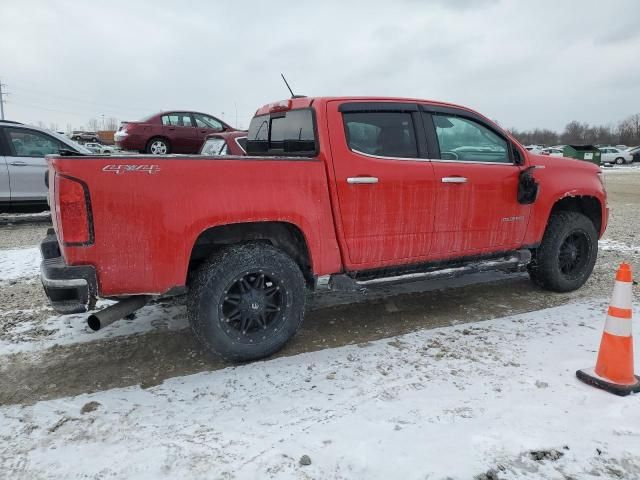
{"points": [[146, 223]]}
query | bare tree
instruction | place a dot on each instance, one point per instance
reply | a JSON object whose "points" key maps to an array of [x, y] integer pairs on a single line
{"points": [[111, 124], [626, 132], [93, 125]]}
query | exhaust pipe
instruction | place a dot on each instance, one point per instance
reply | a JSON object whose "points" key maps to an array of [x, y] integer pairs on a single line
{"points": [[119, 310]]}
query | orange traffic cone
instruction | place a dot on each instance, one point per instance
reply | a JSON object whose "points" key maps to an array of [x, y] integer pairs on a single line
{"points": [[614, 368]]}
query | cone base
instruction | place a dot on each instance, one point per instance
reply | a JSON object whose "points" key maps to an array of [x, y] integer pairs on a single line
{"points": [[588, 376]]}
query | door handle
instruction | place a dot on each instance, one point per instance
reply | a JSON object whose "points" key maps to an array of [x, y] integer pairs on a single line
{"points": [[18, 163], [361, 180], [454, 180]]}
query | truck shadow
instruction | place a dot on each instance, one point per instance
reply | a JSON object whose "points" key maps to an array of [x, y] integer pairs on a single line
{"points": [[332, 320]]}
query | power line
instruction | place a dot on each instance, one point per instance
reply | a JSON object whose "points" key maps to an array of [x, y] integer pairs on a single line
{"points": [[2, 95]]}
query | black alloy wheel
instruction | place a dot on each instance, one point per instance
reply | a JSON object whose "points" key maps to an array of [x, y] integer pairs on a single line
{"points": [[252, 306]]}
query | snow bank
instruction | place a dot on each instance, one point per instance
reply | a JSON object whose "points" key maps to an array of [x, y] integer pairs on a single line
{"points": [[452, 402], [19, 263], [617, 246]]}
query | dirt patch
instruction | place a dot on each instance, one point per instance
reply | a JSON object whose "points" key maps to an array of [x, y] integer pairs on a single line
{"points": [[24, 235]]}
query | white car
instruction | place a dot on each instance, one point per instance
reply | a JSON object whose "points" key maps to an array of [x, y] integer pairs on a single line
{"points": [[552, 152], [99, 148], [535, 149], [615, 155]]}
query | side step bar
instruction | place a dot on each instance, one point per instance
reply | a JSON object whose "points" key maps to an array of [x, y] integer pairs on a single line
{"points": [[512, 262]]}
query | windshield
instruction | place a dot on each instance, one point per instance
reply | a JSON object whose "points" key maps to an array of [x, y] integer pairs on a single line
{"points": [[71, 143], [214, 146]]}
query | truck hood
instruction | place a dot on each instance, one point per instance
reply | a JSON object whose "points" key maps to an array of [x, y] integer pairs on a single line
{"points": [[562, 162]]}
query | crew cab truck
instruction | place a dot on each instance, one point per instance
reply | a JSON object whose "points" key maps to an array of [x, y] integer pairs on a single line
{"points": [[336, 193]]}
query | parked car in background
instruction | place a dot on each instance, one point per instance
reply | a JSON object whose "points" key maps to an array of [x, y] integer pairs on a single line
{"points": [[99, 148], [226, 143], [107, 148], [169, 132], [553, 152], [535, 149], [79, 136], [22, 162], [615, 155], [94, 147], [622, 147], [635, 153]]}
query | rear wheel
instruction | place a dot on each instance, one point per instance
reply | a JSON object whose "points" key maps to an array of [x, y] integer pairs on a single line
{"points": [[565, 259], [619, 161], [246, 301], [158, 146]]}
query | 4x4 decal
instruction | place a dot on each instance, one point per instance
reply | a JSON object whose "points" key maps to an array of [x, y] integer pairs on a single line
{"points": [[125, 168]]}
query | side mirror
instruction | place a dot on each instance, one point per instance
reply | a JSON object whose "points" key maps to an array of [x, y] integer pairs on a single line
{"points": [[528, 186]]}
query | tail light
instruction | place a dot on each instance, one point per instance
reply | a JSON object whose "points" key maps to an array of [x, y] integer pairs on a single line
{"points": [[74, 210]]}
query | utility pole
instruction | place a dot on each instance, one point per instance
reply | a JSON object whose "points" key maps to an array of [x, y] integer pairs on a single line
{"points": [[2, 95]]}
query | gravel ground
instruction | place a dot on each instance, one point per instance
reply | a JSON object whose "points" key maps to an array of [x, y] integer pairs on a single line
{"points": [[333, 320], [26, 235]]}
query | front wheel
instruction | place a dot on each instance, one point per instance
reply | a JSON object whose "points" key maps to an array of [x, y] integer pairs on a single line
{"points": [[567, 254], [246, 301], [619, 161]]}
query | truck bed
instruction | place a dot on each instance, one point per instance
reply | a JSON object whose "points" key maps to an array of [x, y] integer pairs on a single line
{"points": [[148, 211]]}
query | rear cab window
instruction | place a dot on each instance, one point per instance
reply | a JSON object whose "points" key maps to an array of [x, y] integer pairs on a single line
{"points": [[289, 133]]}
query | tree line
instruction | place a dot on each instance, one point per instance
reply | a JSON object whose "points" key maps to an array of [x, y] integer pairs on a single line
{"points": [[625, 132], [93, 125]]}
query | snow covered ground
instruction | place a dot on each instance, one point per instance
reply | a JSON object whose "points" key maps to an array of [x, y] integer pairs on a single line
{"points": [[18, 263], [498, 398]]}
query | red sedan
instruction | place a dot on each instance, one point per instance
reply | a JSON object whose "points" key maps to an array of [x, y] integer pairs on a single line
{"points": [[226, 143], [169, 132]]}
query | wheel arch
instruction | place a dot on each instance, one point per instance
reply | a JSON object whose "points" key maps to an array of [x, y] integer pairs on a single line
{"points": [[588, 205], [283, 235]]}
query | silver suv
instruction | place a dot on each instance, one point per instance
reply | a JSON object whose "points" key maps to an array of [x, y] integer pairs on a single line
{"points": [[22, 162]]}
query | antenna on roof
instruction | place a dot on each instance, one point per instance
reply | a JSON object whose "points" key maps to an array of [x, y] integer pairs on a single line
{"points": [[287, 84]]}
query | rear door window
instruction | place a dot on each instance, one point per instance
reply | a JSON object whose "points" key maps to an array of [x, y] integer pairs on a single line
{"points": [[383, 134], [177, 119], [289, 133]]}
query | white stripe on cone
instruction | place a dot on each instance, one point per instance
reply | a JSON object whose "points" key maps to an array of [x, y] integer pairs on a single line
{"points": [[620, 327], [621, 297]]}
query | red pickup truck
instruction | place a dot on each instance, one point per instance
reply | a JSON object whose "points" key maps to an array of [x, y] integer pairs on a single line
{"points": [[337, 193]]}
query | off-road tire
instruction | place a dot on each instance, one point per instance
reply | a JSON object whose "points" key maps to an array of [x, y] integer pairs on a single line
{"points": [[211, 284], [545, 267], [148, 148]]}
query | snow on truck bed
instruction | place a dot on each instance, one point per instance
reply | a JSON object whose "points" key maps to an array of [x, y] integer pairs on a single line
{"points": [[497, 397]]}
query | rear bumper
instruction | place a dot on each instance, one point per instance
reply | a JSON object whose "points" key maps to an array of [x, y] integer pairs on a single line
{"points": [[70, 289]]}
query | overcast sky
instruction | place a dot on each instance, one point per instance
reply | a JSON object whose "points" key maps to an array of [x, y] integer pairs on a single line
{"points": [[523, 63]]}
